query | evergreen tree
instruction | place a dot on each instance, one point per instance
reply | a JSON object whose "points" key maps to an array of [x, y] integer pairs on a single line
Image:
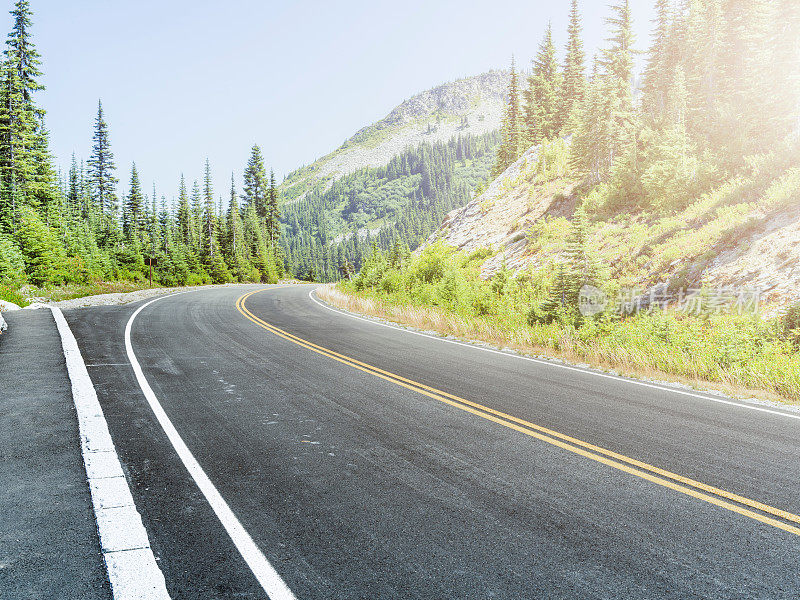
{"points": [[255, 183], [132, 220], [196, 218], [744, 79], [658, 74], [542, 102], [209, 219], [607, 120], [618, 58], [102, 181], [785, 68], [184, 216], [74, 190], [19, 118], [573, 89], [273, 213], [511, 129]]}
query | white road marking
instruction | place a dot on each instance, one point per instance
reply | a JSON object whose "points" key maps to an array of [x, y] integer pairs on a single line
{"points": [[561, 366], [264, 572], [132, 569]]}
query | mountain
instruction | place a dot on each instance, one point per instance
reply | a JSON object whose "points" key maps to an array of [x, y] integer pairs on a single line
{"points": [[472, 105], [393, 181]]}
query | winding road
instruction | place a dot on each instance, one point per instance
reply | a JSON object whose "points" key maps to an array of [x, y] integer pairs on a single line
{"points": [[275, 446]]}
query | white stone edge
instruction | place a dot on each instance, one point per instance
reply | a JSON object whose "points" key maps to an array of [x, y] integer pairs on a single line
{"points": [[132, 568]]}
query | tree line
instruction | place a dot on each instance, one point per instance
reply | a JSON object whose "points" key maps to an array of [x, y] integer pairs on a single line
{"points": [[77, 228], [721, 83]]}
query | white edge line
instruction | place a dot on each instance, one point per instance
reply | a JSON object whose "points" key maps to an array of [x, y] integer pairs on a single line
{"points": [[557, 365], [264, 572], [131, 566]]}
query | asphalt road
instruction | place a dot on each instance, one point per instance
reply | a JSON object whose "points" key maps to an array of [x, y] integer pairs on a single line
{"points": [[429, 469]]}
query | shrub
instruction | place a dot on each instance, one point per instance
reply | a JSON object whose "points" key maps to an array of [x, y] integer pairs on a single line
{"points": [[790, 323], [43, 255], [12, 262]]}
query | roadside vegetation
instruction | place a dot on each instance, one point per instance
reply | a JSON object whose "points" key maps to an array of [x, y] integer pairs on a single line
{"points": [[441, 290], [704, 155]]}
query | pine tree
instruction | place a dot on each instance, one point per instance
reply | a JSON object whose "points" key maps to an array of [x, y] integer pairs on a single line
{"points": [[573, 89], [618, 58], [785, 39], [74, 190], [184, 217], [209, 220], [542, 95], [744, 81], [19, 118], [101, 170], [255, 183], [511, 130], [42, 188], [607, 120], [658, 73], [132, 217], [273, 213], [196, 218]]}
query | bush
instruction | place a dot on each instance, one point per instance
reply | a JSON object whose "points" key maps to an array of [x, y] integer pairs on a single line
{"points": [[790, 323], [43, 255], [430, 265], [12, 263]]}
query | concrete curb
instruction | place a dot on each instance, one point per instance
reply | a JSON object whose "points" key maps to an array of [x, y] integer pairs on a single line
{"points": [[132, 569], [3, 324]]}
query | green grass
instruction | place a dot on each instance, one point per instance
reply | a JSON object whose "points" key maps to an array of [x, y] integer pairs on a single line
{"points": [[71, 291], [11, 295]]}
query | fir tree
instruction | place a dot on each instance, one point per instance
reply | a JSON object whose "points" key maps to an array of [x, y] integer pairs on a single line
{"points": [[255, 183], [184, 217], [132, 220], [607, 120], [74, 190], [101, 169], [541, 97], [574, 81], [273, 213], [19, 118], [658, 74], [511, 130], [209, 220], [196, 218]]}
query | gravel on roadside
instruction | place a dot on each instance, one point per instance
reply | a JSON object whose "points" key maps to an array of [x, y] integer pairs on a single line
{"points": [[125, 298]]}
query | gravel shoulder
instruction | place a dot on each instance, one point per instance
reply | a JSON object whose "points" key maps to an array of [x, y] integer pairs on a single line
{"points": [[128, 297]]}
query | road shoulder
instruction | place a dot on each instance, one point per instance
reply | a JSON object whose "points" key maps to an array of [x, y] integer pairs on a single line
{"points": [[49, 547]]}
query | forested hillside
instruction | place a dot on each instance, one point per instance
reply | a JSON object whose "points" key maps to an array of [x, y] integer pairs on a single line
{"points": [[673, 180], [648, 228], [328, 233]]}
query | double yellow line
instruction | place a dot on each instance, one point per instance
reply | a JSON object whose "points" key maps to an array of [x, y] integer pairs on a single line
{"points": [[739, 504]]}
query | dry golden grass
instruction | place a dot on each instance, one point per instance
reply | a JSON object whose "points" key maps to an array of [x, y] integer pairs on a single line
{"points": [[629, 362]]}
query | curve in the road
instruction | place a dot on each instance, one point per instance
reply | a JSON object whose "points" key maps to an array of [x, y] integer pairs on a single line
{"points": [[701, 491], [264, 572]]}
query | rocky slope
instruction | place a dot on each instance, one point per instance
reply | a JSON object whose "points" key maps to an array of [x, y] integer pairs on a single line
{"points": [[744, 235], [472, 105]]}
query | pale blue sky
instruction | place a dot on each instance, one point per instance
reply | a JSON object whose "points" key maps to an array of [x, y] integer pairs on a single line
{"points": [[184, 79]]}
